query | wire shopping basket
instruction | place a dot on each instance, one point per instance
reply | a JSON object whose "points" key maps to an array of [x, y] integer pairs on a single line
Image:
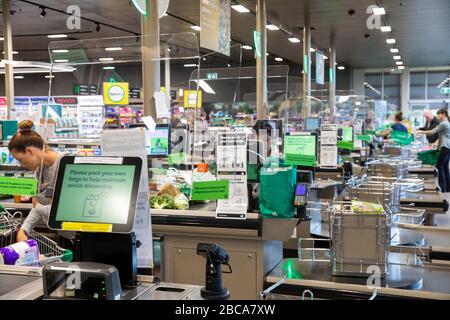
{"points": [[49, 251]]}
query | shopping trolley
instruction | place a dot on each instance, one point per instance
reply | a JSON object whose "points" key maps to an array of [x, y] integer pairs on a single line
{"points": [[49, 251], [360, 238]]}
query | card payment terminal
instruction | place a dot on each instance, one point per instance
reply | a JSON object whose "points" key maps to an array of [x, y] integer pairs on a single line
{"points": [[300, 201]]}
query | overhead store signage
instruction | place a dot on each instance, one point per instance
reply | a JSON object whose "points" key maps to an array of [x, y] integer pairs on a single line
{"points": [[191, 99], [116, 93], [300, 150], [96, 100], [320, 68], [210, 190], [211, 76], [135, 93], [2, 101], [18, 186], [445, 90], [54, 111], [66, 100], [22, 101], [41, 100], [215, 23], [84, 90]]}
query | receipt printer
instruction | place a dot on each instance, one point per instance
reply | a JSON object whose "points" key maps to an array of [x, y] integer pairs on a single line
{"points": [[81, 281]]}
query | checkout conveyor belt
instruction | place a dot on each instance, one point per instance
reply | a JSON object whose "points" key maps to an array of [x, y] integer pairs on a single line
{"points": [[11, 282], [407, 281]]}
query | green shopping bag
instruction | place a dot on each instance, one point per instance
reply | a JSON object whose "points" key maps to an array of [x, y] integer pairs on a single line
{"points": [[402, 138], [276, 192]]}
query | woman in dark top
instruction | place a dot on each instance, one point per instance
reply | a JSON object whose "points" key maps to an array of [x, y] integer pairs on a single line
{"points": [[398, 125]]}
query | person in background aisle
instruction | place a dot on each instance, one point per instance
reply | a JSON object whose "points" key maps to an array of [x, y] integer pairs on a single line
{"points": [[28, 147], [431, 123], [398, 125], [443, 131]]}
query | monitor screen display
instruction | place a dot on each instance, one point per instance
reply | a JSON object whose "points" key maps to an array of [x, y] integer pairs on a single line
{"points": [[157, 142], [347, 134], [312, 124], [95, 193]]}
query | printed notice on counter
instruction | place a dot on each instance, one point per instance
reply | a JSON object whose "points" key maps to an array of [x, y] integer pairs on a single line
{"points": [[328, 146], [232, 166], [235, 207], [131, 143]]}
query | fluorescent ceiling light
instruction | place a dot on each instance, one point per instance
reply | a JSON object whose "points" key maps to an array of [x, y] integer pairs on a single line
{"points": [[190, 65], [14, 52], [294, 40], [109, 68], [386, 29], [401, 67], [247, 47], [196, 28], [1, 38], [365, 83], [206, 87], [49, 77], [272, 27], [267, 54], [113, 49], [312, 50], [390, 41], [57, 36], [60, 51], [325, 57], [61, 60], [394, 50], [278, 59], [397, 57], [240, 8], [18, 77], [378, 11], [341, 67], [106, 59], [399, 63]]}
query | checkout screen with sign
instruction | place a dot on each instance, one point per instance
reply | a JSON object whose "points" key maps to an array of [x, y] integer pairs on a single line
{"points": [[300, 150], [347, 134], [96, 193], [157, 141]]}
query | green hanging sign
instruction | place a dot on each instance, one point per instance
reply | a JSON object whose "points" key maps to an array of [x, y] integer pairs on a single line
{"points": [[257, 40], [141, 6], [364, 137], [18, 186]]}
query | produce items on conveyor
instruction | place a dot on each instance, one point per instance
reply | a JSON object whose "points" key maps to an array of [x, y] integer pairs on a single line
{"points": [[162, 202]]}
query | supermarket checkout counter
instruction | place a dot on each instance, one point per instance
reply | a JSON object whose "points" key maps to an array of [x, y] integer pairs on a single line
{"points": [[253, 244], [105, 255]]}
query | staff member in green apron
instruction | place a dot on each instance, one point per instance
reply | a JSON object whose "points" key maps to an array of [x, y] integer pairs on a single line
{"points": [[28, 147]]}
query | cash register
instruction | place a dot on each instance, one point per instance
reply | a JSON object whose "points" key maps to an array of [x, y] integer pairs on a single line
{"points": [[95, 197]]}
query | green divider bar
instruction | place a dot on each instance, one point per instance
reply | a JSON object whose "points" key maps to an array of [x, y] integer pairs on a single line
{"points": [[18, 186], [346, 145], [210, 190]]}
